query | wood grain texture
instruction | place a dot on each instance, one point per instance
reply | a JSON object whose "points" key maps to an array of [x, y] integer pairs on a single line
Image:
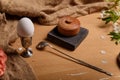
{"points": [[51, 65]]}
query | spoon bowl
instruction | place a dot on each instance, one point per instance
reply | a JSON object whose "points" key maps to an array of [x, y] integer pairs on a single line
{"points": [[42, 45]]}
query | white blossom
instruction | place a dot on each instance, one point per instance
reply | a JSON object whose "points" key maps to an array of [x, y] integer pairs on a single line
{"points": [[117, 13], [116, 27], [103, 14]]}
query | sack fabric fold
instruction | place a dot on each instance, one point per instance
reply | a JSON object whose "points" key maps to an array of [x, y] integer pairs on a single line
{"points": [[48, 12]]}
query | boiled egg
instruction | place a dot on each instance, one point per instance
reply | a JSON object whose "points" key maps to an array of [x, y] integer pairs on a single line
{"points": [[25, 27]]}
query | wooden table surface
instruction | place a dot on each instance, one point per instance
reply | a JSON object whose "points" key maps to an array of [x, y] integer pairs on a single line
{"points": [[96, 49]]}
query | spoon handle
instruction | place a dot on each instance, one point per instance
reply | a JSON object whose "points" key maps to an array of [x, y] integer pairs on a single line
{"points": [[83, 63]]}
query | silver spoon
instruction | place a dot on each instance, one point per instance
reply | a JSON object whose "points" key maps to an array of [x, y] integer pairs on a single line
{"points": [[43, 44]]}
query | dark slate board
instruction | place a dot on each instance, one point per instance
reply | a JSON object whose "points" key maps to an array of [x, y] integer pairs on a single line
{"points": [[69, 43]]}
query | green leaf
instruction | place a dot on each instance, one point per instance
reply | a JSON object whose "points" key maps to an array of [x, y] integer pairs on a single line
{"points": [[107, 19], [112, 16], [115, 37]]}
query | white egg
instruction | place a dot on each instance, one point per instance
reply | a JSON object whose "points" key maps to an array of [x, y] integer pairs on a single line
{"points": [[25, 27]]}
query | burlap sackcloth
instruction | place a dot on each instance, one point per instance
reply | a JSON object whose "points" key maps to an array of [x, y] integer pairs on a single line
{"points": [[49, 11], [17, 68]]}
